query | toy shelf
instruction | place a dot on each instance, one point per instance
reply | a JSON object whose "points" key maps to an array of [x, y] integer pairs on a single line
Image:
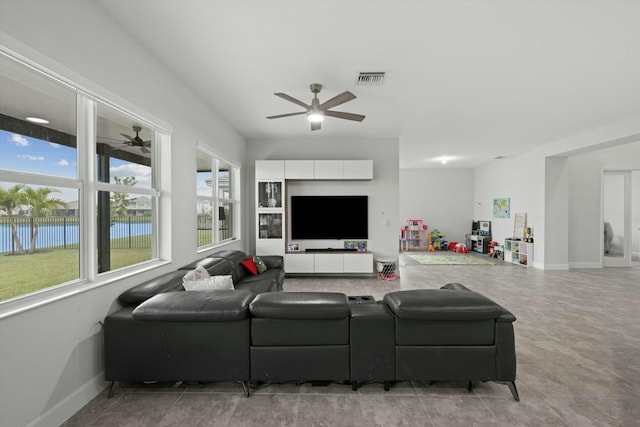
{"points": [[518, 252]]}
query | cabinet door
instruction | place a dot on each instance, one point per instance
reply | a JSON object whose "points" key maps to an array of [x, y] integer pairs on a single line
{"points": [[299, 263], [358, 263], [269, 194], [328, 169], [298, 169], [358, 169], [269, 247], [329, 263], [269, 169]]}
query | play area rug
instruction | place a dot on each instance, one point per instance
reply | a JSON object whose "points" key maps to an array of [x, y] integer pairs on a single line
{"points": [[449, 258]]}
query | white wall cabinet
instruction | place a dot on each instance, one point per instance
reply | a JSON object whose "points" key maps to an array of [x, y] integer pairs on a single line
{"points": [[358, 169], [329, 262], [298, 169], [315, 169], [328, 169], [269, 169], [343, 169]]}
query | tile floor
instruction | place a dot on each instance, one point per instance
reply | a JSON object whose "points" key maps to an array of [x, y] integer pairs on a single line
{"points": [[577, 343]]}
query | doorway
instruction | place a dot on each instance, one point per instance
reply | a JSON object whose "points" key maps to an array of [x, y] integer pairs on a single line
{"points": [[617, 218]]}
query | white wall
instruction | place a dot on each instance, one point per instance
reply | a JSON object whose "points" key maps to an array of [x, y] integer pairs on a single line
{"points": [[51, 355], [442, 198], [539, 185], [382, 189], [585, 205], [522, 180]]}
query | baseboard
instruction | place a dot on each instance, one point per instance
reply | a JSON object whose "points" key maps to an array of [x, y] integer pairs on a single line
{"points": [[573, 265], [61, 412]]}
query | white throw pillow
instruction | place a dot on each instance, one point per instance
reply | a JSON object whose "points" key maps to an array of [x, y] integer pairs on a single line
{"points": [[210, 283]]}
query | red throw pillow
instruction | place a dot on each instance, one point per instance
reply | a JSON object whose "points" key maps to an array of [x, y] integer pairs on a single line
{"points": [[250, 266]]}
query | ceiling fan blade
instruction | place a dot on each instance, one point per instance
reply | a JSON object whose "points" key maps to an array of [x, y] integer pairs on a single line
{"points": [[128, 137], [315, 125], [145, 150], [348, 116], [292, 99], [286, 115], [337, 100]]}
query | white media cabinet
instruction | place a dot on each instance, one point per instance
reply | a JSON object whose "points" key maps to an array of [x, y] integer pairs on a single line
{"points": [[329, 262], [271, 205]]}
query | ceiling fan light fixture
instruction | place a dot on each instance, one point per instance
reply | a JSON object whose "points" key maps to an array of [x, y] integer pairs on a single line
{"points": [[315, 116]]}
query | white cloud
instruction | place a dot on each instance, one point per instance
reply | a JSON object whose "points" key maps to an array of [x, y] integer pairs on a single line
{"points": [[30, 157], [54, 145], [20, 140], [140, 172], [63, 162]]}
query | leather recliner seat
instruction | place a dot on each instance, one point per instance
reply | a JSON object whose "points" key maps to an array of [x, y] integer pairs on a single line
{"points": [[178, 335], [452, 334], [300, 336]]}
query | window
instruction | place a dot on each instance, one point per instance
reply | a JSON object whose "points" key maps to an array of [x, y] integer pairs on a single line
{"points": [[217, 183], [126, 194], [48, 131]]}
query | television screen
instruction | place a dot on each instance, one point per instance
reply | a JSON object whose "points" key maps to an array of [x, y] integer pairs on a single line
{"points": [[329, 217]]}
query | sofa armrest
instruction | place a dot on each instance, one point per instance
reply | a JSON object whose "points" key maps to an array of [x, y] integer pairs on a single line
{"points": [[273, 261], [506, 316]]}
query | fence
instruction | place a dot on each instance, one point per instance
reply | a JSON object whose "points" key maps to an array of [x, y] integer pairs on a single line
{"points": [[130, 232]]}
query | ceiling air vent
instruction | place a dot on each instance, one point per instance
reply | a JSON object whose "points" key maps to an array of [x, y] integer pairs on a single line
{"points": [[376, 78]]}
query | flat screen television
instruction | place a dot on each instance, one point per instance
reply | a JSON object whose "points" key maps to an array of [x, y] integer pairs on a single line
{"points": [[329, 217]]}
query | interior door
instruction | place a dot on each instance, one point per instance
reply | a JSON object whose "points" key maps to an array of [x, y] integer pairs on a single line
{"points": [[616, 218]]}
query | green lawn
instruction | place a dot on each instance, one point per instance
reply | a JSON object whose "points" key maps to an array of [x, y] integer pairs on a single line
{"points": [[22, 274]]}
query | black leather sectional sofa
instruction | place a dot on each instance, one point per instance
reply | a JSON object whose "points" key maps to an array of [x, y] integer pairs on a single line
{"points": [[258, 334]]}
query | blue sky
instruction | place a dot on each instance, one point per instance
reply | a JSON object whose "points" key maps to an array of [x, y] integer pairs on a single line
{"points": [[25, 154]]}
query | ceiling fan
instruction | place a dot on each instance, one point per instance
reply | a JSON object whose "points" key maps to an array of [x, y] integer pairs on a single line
{"points": [[316, 112], [137, 141]]}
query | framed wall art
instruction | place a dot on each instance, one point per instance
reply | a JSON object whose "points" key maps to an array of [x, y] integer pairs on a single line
{"points": [[501, 207]]}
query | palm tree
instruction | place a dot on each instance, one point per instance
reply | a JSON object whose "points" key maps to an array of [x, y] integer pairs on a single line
{"points": [[10, 200], [41, 205]]}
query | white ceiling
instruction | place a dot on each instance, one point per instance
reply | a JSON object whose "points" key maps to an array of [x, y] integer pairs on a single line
{"points": [[467, 79]]}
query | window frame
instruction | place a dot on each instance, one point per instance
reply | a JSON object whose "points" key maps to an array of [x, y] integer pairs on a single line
{"points": [[85, 182], [216, 200]]}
